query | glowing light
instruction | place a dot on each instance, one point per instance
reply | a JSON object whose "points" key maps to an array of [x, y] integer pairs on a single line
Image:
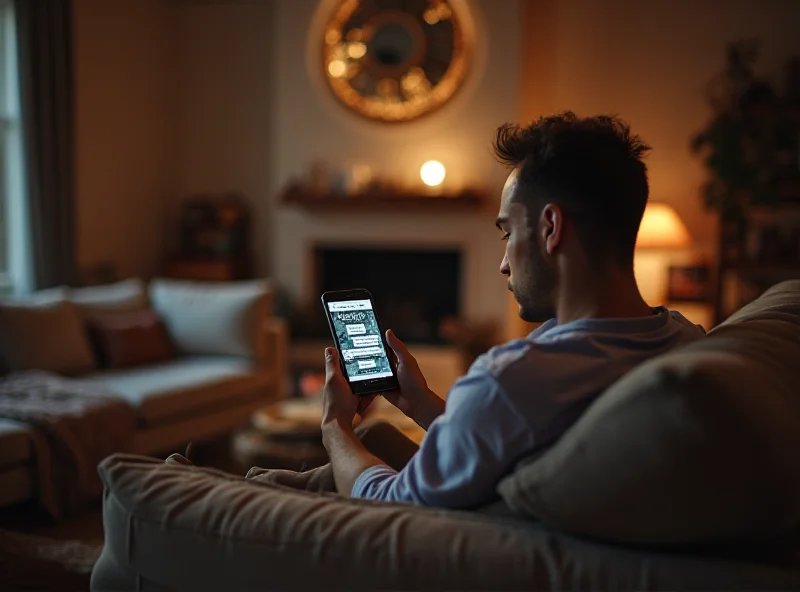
{"points": [[337, 68], [332, 36], [357, 50], [431, 16], [662, 228], [432, 173]]}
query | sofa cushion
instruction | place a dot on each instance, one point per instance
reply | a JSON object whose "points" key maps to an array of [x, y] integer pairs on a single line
{"points": [[697, 446], [16, 445], [184, 386], [212, 318], [169, 526], [47, 337], [126, 295], [123, 339]]}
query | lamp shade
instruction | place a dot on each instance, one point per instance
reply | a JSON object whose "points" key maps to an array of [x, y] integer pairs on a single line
{"points": [[662, 228]]}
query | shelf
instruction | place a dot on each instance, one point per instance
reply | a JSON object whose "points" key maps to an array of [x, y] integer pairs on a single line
{"points": [[301, 198]]}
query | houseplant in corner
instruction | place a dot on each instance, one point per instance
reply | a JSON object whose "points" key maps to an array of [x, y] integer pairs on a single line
{"points": [[750, 145]]}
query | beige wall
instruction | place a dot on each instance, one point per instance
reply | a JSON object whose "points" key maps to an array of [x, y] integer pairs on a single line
{"points": [[125, 130], [649, 62], [311, 126], [225, 59]]}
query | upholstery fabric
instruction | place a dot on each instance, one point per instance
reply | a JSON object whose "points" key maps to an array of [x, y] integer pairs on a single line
{"points": [[162, 392], [47, 337], [214, 319], [17, 483], [171, 526], [126, 295], [697, 446], [15, 442], [124, 339]]}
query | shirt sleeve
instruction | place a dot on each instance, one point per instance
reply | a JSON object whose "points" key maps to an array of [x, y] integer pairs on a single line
{"points": [[466, 451]]}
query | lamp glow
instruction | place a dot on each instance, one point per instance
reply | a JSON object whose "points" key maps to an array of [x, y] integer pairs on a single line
{"points": [[662, 228], [432, 173]]}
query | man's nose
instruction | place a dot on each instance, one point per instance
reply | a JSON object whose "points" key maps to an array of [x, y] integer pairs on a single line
{"points": [[505, 269]]}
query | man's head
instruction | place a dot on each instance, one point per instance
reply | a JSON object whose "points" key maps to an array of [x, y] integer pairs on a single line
{"points": [[572, 204]]}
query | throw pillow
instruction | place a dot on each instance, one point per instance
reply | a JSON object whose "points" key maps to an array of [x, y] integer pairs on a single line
{"points": [[214, 318], [122, 296], [124, 339], [48, 337]]}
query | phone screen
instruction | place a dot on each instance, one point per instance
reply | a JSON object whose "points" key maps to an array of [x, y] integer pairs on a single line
{"points": [[359, 338]]}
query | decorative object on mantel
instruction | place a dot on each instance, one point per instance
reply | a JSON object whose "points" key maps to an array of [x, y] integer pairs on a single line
{"points": [[751, 149], [214, 240], [395, 61], [358, 186]]}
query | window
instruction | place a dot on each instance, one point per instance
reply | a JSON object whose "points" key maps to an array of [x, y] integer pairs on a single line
{"points": [[13, 267]]}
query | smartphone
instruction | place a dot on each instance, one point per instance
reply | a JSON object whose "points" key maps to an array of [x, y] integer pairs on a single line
{"points": [[363, 353]]}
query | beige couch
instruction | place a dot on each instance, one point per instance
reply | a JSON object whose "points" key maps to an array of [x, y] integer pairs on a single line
{"points": [[683, 475], [230, 362]]}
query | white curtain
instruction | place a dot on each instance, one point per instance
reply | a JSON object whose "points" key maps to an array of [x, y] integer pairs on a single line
{"points": [[16, 264]]}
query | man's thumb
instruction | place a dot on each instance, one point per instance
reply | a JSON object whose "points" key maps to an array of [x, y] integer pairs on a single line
{"points": [[400, 349], [331, 361]]}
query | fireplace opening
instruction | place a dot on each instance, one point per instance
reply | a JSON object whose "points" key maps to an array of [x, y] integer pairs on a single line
{"points": [[415, 290]]}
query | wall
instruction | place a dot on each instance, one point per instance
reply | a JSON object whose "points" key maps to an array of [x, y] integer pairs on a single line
{"points": [[125, 133], [225, 59], [649, 62], [310, 126]]}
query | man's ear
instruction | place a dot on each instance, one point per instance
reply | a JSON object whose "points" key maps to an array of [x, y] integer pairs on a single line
{"points": [[552, 227]]}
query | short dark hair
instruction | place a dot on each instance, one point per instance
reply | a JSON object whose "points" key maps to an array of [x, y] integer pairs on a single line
{"points": [[592, 167]]}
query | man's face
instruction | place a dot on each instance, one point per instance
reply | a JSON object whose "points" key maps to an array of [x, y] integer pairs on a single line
{"points": [[530, 276]]}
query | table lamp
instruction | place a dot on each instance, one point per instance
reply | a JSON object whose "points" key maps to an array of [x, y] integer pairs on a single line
{"points": [[661, 231]]}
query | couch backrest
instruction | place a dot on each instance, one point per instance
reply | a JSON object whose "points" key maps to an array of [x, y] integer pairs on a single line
{"points": [[699, 445]]}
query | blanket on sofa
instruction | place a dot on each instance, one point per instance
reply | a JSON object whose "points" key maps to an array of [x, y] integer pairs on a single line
{"points": [[75, 424]]}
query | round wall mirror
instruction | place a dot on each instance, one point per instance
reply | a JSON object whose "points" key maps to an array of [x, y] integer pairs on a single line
{"points": [[394, 60]]}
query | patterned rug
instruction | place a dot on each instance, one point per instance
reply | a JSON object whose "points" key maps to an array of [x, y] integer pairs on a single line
{"points": [[38, 563]]}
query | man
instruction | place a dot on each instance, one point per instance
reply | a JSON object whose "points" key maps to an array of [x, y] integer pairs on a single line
{"points": [[570, 213]]}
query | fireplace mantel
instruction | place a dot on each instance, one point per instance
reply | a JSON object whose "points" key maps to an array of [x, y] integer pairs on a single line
{"points": [[376, 200]]}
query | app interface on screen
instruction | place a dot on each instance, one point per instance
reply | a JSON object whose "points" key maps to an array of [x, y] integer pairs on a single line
{"points": [[359, 340]]}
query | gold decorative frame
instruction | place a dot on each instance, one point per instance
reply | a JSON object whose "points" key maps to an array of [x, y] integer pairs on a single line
{"points": [[394, 109]]}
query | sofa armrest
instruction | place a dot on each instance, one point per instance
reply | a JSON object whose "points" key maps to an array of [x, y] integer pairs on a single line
{"points": [[182, 527]]}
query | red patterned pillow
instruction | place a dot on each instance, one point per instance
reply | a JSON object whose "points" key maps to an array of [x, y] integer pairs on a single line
{"points": [[123, 339]]}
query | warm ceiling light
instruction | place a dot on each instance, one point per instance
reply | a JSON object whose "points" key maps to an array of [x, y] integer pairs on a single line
{"points": [[357, 50], [432, 173], [662, 228], [337, 68]]}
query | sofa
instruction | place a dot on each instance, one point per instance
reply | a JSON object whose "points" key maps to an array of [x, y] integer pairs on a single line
{"points": [[227, 360], [685, 474]]}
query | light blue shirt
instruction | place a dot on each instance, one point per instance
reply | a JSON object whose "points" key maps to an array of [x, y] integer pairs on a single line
{"points": [[517, 399]]}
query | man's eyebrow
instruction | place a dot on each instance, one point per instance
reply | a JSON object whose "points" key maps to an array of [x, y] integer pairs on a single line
{"points": [[500, 221]]}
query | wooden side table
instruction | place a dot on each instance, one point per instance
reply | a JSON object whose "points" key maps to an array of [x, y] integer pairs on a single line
{"points": [[209, 270]]}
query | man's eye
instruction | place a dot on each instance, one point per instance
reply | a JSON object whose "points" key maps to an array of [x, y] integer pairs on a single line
{"points": [[505, 236]]}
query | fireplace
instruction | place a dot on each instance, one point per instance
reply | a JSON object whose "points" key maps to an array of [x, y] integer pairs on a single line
{"points": [[415, 290]]}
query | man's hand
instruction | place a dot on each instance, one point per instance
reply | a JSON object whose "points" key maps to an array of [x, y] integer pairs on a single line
{"points": [[339, 403], [349, 458], [414, 398]]}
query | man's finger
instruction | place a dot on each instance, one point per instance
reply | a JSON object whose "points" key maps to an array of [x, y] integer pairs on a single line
{"points": [[331, 363], [398, 346]]}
